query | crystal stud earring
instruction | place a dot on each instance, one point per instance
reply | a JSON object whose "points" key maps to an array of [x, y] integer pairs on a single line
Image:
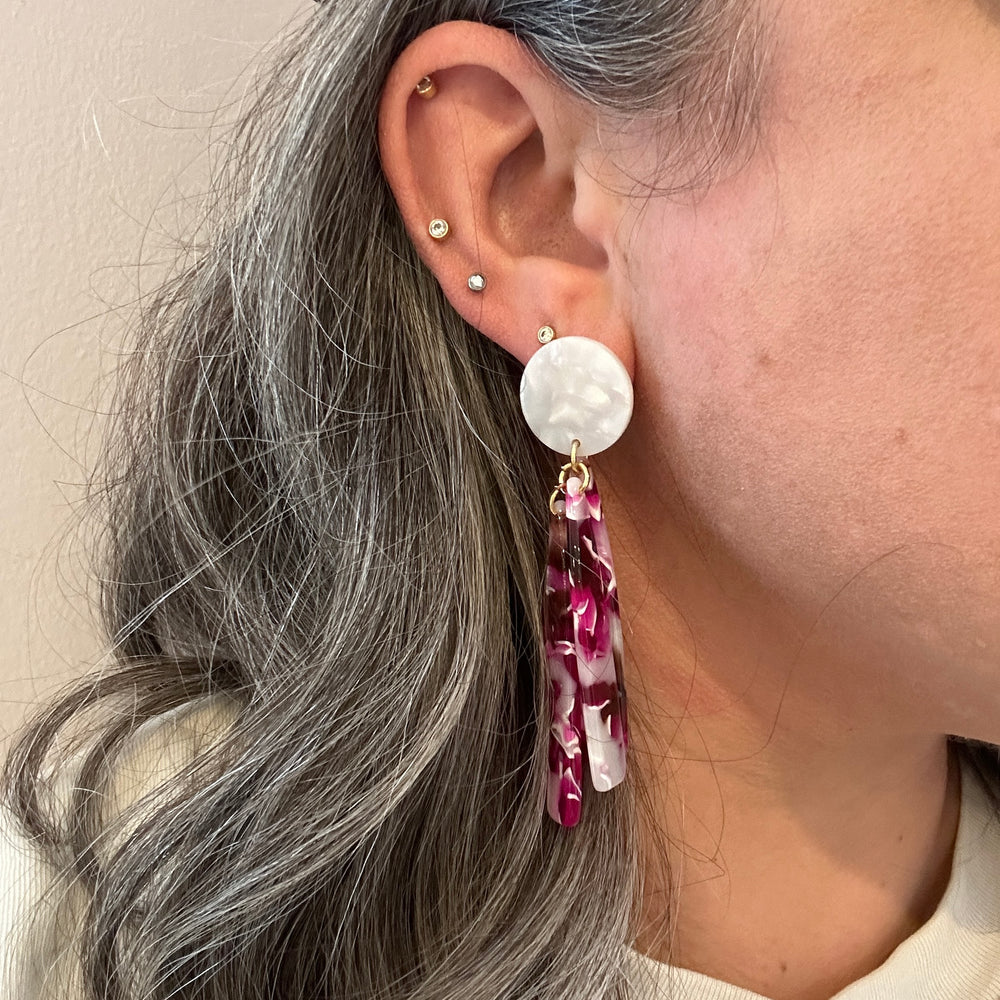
{"points": [[426, 88], [439, 228], [477, 282]]}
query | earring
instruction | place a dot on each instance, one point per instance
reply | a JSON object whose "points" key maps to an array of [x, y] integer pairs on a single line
{"points": [[426, 87], [576, 397], [477, 282], [439, 228]]}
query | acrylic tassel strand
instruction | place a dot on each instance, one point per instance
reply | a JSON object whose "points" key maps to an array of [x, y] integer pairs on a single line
{"points": [[565, 791], [584, 653]]}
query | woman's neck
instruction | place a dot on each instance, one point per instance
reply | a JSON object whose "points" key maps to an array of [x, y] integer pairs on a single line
{"points": [[794, 885], [803, 804]]}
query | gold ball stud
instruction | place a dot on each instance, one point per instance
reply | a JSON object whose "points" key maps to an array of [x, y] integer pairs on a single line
{"points": [[546, 335], [426, 88], [439, 228]]}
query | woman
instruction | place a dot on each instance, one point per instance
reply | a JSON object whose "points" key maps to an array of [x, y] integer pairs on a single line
{"points": [[328, 516]]}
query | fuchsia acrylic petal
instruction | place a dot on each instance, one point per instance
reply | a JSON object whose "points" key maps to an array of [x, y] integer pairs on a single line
{"points": [[583, 651], [602, 552], [565, 790], [599, 655]]}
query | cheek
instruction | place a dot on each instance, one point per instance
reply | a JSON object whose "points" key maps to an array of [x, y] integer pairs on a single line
{"points": [[820, 361]]}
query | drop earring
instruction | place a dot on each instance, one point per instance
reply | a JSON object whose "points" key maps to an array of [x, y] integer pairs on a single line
{"points": [[577, 398]]}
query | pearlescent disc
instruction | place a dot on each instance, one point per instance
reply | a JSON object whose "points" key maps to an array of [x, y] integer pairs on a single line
{"points": [[575, 387]]}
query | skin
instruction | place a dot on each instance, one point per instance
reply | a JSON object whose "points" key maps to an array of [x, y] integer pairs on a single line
{"points": [[803, 509]]}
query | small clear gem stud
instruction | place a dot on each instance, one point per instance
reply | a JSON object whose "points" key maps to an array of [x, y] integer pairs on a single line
{"points": [[439, 228], [477, 282], [426, 88]]}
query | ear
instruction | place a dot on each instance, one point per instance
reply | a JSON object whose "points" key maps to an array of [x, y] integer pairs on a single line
{"points": [[511, 160]]}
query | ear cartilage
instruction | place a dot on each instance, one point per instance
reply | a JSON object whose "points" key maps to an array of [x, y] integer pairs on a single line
{"points": [[426, 88], [439, 228]]}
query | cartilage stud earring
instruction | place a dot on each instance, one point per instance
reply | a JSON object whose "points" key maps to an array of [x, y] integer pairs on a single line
{"points": [[426, 88]]}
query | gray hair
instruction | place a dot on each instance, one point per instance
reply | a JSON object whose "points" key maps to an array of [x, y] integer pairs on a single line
{"points": [[324, 510]]}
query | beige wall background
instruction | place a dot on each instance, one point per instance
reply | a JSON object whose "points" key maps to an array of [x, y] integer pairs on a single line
{"points": [[108, 111]]}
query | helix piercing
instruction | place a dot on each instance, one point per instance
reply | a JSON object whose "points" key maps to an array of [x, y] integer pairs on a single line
{"points": [[426, 88]]}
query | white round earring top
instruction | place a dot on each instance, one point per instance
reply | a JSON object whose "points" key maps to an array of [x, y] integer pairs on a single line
{"points": [[575, 387]]}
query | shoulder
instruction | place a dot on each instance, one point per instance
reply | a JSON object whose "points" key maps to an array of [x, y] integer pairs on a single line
{"points": [[40, 912], [34, 911], [23, 878], [162, 747]]}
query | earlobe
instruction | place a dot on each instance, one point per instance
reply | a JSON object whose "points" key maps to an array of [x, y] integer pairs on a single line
{"points": [[494, 149]]}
